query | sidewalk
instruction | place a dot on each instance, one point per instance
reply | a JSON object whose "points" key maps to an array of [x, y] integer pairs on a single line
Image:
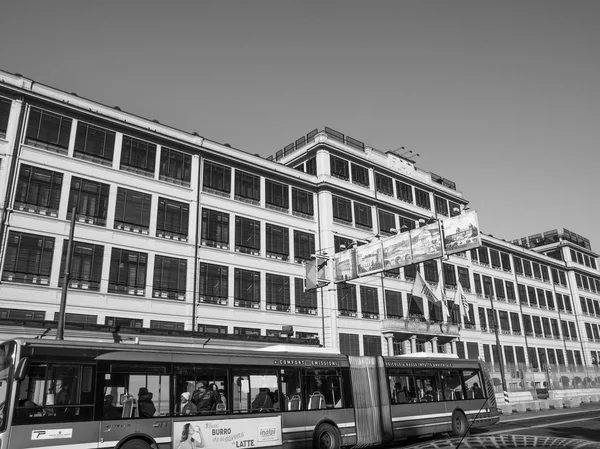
{"points": [[583, 408]]}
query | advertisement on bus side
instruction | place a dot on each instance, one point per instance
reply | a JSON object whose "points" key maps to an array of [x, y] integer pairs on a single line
{"points": [[227, 433]]}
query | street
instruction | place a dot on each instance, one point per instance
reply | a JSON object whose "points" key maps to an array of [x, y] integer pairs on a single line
{"points": [[581, 423]]}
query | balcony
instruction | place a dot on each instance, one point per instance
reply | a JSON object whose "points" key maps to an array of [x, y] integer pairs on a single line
{"points": [[421, 328]]}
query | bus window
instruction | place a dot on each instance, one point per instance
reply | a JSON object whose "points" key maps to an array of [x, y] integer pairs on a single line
{"points": [[53, 393], [452, 386], [254, 389], [323, 388], [6, 364], [129, 395], [473, 383], [428, 385], [206, 386], [402, 386], [290, 398]]}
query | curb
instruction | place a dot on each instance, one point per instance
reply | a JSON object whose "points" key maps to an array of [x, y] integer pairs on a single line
{"points": [[506, 418]]}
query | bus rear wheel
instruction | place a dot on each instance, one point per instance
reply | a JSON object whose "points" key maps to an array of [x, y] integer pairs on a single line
{"points": [[136, 444], [460, 425], [327, 437]]}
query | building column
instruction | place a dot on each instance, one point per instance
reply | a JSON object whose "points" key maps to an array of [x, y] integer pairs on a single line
{"points": [[453, 344], [434, 345], [390, 343], [413, 344]]}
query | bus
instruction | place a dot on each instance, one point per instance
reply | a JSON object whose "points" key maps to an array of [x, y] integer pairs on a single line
{"points": [[76, 395]]}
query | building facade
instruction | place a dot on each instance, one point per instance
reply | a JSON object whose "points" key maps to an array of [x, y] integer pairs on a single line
{"points": [[174, 231]]}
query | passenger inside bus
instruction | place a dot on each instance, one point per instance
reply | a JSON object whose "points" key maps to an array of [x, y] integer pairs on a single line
{"points": [[262, 402], [146, 408], [109, 411]]}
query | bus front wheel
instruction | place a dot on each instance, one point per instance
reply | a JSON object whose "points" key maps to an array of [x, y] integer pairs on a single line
{"points": [[327, 437], [460, 425]]}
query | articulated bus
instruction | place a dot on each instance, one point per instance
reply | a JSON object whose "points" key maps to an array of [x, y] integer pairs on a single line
{"points": [[76, 395]]}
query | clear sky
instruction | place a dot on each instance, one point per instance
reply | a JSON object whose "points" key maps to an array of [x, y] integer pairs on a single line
{"points": [[502, 97]]}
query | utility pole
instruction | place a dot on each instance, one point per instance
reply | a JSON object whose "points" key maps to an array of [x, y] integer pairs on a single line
{"points": [[60, 333], [499, 348]]}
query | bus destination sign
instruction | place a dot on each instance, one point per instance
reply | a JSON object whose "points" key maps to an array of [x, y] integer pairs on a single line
{"points": [[417, 364], [306, 362]]}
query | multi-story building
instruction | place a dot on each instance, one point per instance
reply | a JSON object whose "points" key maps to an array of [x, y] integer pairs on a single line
{"points": [[174, 231]]}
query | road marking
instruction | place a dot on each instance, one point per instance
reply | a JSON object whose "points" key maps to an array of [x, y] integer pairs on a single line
{"points": [[541, 425]]}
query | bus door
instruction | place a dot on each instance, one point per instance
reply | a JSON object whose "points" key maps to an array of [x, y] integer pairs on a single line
{"points": [[134, 398], [54, 405], [293, 402]]}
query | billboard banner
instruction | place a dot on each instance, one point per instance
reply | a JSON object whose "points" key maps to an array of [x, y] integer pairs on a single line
{"points": [[227, 433], [396, 251], [461, 233], [369, 258], [426, 243], [344, 266]]}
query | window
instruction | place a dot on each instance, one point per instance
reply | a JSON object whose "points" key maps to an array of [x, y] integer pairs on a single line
{"points": [[86, 265], [346, 294], [349, 344], [213, 284], [78, 318], [247, 235], [167, 325], [369, 302], [463, 278], [311, 166], [537, 326], [478, 287], [278, 242], [431, 271], [217, 178], [64, 390], [4, 115], [532, 297], [404, 192], [48, 130], [372, 345], [127, 272], [449, 275], [173, 219], [537, 273], [484, 258], [246, 289], [304, 246], [278, 292], [387, 222], [38, 190], [339, 167], [527, 268], [302, 203], [306, 301], [169, 278], [518, 265], [410, 271], [505, 259], [175, 166], [454, 209], [495, 257], [215, 229], [360, 175], [499, 285], [342, 209], [28, 258], [510, 291], [393, 304], [132, 211], [247, 187], [441, 206], [138, 156], [541, 298], [422, 199], [384, 184], [212, 329], [277, 195], [516, 325], [90, 200], [94, 144], [363, 216], [572, 330]]}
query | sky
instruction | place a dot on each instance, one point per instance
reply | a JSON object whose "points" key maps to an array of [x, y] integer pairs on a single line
{"points": [[501, 97]]}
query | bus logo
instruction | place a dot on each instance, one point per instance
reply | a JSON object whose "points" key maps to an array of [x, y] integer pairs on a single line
{"points": [[51, 434], [268, 434]]}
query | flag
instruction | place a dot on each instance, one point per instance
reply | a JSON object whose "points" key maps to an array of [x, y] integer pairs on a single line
{"points": [[461, 299], [439, 293], [422, 288]]}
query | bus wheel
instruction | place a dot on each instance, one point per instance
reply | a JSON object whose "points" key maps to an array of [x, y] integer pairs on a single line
{"points": [[460, 425], [327, 437], [136, 444]]}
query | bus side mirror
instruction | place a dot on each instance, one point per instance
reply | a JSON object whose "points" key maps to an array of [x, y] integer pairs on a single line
{"points": [[22, 369]]}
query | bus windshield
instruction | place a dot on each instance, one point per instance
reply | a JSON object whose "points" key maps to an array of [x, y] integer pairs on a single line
{"points": [[6, 369]]}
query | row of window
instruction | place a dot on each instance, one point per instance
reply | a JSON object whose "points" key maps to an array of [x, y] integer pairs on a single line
{"points": [[587, 282], [592, 331], [386, 185], [29, 260], [583, 259], [538, 357], [590, 306]]}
